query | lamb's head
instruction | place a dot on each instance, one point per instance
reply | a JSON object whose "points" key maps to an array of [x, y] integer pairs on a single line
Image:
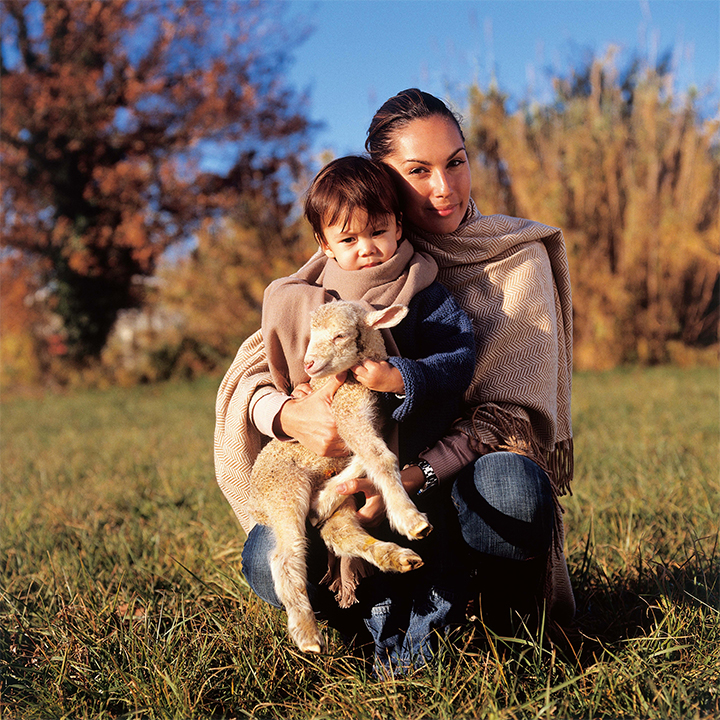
{"points": [[342, 334]]}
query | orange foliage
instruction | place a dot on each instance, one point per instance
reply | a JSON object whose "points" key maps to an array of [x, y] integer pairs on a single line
{"points": [[108, 114], [19, 346], [632, 176]]}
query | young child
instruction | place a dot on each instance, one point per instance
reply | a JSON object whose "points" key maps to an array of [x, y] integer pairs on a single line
{"points": [[353, 208]]}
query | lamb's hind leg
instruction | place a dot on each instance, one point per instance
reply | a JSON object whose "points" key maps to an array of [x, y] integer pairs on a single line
{"points": [[328, 500], [344, 535], [289, 572]]}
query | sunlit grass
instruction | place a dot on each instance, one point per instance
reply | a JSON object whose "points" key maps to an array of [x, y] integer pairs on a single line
{"points": [[122, 596]]}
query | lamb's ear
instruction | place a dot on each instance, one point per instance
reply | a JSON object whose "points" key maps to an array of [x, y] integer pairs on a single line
{"points": [[388, 317]]}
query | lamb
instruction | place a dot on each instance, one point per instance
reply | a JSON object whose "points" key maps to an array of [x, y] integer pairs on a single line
{"points": [[290, 484]]}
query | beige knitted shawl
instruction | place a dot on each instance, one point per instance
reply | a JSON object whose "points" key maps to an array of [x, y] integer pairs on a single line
{"points": [[511, 277]]}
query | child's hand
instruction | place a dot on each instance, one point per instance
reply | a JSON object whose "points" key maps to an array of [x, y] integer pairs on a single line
{"points": [[379, 376]]}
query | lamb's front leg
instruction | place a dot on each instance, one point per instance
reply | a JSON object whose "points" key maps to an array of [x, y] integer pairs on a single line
{"points": [[381, 467]]}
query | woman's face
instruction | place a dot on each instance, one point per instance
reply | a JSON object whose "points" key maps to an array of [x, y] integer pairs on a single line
{"points": [[429, 155]]}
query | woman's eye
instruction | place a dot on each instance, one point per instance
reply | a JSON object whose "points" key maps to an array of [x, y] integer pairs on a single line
{"points": [[417, 171], [457, 161]]}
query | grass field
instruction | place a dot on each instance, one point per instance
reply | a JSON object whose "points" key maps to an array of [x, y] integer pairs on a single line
{"points": [[122, 593]]}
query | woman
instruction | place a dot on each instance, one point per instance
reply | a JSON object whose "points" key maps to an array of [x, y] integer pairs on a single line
{"points": [[493, 481]]}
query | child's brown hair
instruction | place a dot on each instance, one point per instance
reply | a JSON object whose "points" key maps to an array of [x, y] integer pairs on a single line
{"points": [[345, 185]]}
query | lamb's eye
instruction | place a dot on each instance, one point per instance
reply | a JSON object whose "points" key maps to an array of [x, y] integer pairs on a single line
{"points": [[339, 336]]}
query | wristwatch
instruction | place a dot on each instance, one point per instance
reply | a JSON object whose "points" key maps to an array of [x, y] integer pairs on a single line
{"points": [[431, 479]]}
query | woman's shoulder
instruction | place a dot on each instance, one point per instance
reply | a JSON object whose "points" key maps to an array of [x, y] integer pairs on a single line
{"points": [[435, 301], [500, 224], [492, 238]]}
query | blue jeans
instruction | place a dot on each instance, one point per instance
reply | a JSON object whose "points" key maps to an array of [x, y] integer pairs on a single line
{"points": [[498, 510]]}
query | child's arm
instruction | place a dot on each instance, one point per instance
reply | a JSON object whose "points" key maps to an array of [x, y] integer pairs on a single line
{"points": [[438, 352]]}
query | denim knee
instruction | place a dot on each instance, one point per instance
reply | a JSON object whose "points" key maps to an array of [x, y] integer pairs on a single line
{"points": [[505, 506], [256, 564], [256, 554]]}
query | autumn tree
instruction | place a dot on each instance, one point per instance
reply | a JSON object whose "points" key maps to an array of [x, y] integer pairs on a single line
{"points": [[126, 125], [631, 173], [20, 356]]}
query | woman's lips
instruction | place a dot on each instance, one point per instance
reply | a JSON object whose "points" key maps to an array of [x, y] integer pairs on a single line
{"points": [[444, 211]]}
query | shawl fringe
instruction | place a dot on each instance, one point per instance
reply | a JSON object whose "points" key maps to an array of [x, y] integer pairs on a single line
{"points": [[343, 576], [516, 435]]}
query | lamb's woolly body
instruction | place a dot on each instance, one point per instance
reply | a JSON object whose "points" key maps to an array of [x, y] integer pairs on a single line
{"points": [[290, 483]]}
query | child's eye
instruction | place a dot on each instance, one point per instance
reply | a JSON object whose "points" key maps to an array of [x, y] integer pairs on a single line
{"points": [[379, 231]]}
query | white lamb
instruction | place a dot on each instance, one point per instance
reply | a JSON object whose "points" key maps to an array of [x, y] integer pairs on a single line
{"points": [[290, 483]]}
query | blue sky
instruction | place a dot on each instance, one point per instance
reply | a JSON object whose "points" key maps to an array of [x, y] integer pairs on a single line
{"points": [[363, 51]]}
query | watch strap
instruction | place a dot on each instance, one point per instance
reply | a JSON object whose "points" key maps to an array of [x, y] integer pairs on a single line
{"points": [[431, 479]]}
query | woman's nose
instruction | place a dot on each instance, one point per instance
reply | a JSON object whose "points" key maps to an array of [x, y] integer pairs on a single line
{"points": [[441, 184]]}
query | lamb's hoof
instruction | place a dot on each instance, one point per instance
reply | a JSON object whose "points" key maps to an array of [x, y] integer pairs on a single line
{"points": [[314, 645], [309, 640], [421, 530], [393, 558], [314, 648], [408, 560]]}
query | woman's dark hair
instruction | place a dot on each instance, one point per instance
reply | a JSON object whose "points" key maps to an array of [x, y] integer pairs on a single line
{"points": [[398, 111], [346, 185]]}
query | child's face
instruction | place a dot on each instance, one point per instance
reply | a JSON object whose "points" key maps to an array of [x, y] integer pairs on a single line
{"points": [[358, 245]]}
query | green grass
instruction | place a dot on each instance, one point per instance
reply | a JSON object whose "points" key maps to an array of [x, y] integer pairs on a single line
{"points": [[122, 593]]}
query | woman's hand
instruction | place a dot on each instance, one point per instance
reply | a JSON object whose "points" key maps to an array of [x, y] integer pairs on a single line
{"points": [[379, 376], [373, 512], [307, 418], [302, 390]]}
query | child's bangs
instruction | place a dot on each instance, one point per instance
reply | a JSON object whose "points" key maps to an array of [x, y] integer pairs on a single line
{"points": [[347, 186], [376, 199]]}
